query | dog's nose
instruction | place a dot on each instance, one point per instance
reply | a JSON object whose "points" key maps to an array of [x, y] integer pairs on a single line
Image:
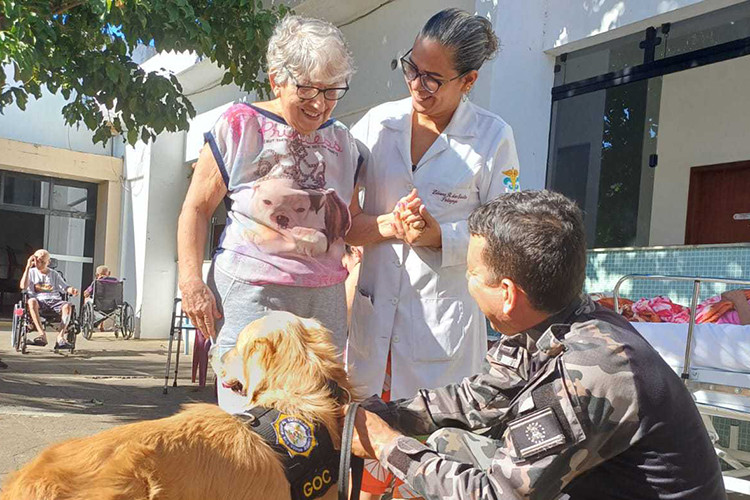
{"points": [[282, 221]]}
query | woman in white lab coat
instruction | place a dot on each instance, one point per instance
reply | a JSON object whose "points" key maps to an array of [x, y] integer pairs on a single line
{"points": [[434, 157]]}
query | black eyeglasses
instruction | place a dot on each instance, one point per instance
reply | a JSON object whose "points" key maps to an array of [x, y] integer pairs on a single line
{"points": [[429, 83], [307, 92]]}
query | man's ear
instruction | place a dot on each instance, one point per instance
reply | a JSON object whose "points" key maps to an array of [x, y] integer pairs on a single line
{"points": [[510, 294]]}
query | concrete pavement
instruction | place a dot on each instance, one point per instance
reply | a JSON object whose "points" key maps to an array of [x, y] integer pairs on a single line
{"points": [[47, 397]]}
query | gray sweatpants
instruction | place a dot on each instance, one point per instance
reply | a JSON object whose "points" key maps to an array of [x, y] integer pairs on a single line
{"points": [[241, 303]]}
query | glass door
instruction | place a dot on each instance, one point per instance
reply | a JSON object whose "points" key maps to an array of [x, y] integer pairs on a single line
{"points": [[44, 212]]}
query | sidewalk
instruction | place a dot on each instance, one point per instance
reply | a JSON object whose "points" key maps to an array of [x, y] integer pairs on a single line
{"points": [[47, 397]]}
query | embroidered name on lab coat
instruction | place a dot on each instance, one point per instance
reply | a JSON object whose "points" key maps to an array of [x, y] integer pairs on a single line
{"points": [[449, 197]]}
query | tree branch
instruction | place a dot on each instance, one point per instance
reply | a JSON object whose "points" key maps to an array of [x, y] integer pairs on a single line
{"points": [[59, 8]]}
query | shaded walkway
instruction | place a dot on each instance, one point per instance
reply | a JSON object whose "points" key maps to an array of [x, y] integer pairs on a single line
{"points": [[47, 397]]}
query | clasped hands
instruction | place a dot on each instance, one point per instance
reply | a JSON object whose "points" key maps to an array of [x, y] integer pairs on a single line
{"points": [[412, 223]]}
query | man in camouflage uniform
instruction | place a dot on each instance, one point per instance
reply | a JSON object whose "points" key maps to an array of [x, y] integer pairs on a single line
{"points": [[574, 403]]}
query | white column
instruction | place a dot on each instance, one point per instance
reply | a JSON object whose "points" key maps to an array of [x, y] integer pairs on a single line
{"points": [[517, 84]]}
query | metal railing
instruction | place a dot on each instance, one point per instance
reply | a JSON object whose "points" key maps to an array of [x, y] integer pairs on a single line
{"points": [[696, 280]]}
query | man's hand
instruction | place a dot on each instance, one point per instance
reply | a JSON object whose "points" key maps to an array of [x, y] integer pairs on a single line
{"points": [[72, 291], [31, 262], [200, 306], [371, 435]]}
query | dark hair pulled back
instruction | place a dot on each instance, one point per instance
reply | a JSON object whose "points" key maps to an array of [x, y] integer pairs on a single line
{"points": [[470, 37]]}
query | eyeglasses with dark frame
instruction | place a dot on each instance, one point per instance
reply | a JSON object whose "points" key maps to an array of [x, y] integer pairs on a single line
{"points": [[429, 83], [307, 92]]}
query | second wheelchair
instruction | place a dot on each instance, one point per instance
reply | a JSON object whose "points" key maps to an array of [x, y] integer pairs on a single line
{"points": [[107, 302]]}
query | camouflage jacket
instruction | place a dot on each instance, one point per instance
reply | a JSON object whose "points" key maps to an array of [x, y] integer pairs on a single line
{"points": [[581, 404]]}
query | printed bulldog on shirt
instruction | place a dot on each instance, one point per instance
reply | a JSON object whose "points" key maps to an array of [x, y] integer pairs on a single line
{"points": [[292, 211]]}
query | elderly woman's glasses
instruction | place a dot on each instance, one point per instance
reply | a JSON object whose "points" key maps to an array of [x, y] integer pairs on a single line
{"points": [[307, 92], [429, 83]]}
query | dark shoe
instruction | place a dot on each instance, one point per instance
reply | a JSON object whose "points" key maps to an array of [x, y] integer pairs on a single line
{"points": [[39, 341], [63, 345]]}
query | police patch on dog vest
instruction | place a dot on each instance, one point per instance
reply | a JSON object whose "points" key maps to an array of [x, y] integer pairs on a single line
{"points": [[536, 433], [311, 463], [295, 434]]}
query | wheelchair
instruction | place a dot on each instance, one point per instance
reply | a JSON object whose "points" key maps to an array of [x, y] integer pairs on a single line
{"points": [[106, 302], [23, 325]]}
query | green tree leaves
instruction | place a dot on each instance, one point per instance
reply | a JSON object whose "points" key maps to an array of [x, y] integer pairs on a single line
{"points": [[83, 48]]}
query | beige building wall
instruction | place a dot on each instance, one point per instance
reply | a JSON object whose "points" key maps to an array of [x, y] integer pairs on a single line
{"points": [[105, 171], [703, 120]]}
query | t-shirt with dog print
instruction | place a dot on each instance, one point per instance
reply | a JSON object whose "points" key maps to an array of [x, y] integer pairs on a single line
{"points": [[287, 199]]}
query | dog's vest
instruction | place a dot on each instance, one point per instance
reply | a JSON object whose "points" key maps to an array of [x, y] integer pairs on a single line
{"points": [[311, 463]]}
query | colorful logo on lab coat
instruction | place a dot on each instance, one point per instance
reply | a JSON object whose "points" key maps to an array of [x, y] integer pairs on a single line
{"points": [[511, 180]]}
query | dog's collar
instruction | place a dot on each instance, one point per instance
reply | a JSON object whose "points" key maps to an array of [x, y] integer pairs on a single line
{"points": [[305, 448]]}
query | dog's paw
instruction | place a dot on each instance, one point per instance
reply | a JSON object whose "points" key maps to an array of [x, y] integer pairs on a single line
{"points": [[309, 241]]}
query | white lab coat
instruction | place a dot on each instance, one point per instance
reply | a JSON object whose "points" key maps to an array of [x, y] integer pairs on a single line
{"points": [[415, 301]]}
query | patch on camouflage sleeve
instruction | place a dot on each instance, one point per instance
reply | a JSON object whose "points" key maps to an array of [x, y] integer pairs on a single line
{"points": [[536, 433]]}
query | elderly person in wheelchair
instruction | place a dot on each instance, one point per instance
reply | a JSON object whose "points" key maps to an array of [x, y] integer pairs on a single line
{"points": [[104, 301], [47, 290], [102, 274]]}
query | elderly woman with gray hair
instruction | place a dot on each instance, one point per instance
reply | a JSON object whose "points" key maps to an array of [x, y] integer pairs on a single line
{"points": [[284, 169]]}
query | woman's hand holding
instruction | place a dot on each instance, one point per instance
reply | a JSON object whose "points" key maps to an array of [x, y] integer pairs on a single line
{"points": [[199, 303], [431, 235], [405, 216], [409, 205], [414, 224]]}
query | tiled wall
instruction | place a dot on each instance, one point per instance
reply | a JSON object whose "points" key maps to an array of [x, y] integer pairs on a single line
{"points": [[605, 267]]}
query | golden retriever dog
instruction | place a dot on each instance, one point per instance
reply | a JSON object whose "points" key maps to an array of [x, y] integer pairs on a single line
{"points": [[280, 361]]}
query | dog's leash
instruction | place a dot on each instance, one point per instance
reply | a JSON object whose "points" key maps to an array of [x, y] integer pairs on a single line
{"points": [[348, 460]]}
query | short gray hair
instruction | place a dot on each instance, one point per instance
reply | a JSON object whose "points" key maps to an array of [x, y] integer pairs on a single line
{"points": [[42, 254], [311, 50]]}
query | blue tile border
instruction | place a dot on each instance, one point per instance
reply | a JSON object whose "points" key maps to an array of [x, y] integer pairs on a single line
{"points": [[605, 267]]}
